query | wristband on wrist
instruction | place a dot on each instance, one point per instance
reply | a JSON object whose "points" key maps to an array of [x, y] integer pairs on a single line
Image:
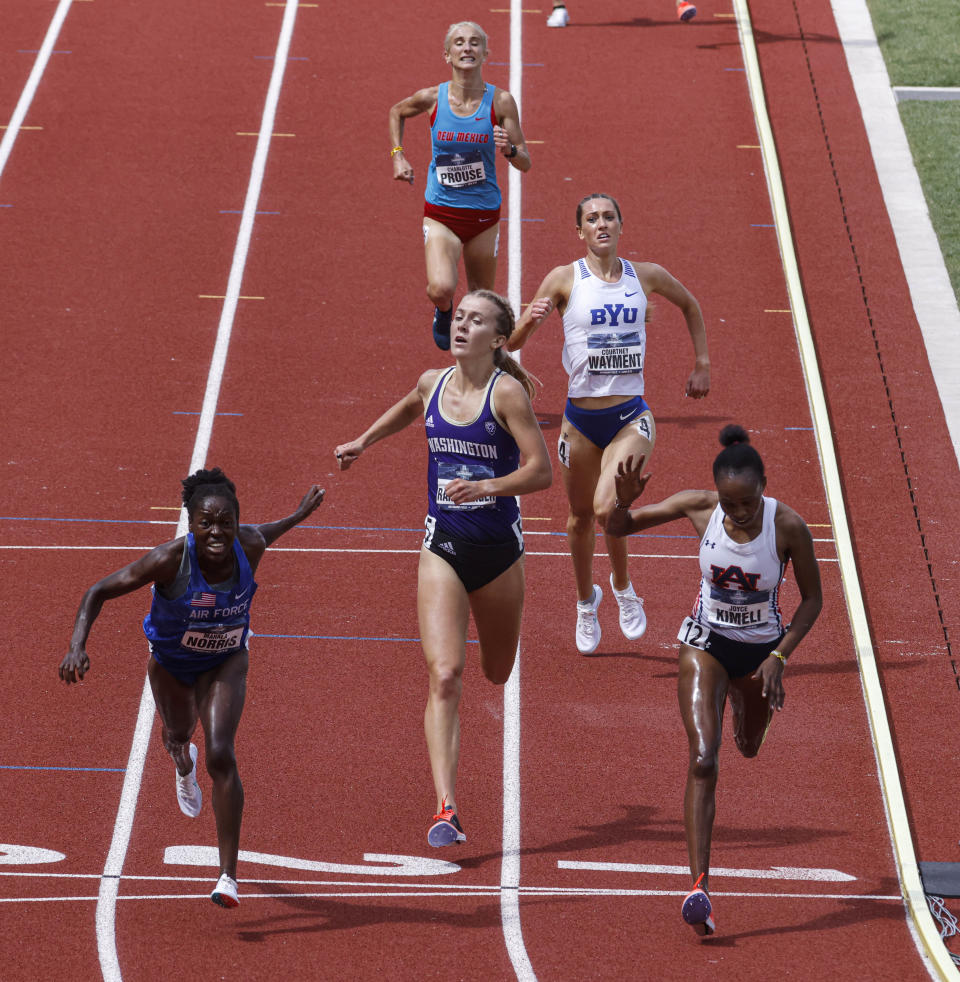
{"points": [[395, 151], [513, 152], [783, 658], [620, 506]]}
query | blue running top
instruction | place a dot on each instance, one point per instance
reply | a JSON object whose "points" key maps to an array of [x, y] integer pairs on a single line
{"points": [[463, 165]]}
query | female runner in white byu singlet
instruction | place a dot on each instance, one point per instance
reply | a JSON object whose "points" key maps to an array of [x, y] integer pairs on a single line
{"points": [[479, 424], [603, 301], [735, 644]]}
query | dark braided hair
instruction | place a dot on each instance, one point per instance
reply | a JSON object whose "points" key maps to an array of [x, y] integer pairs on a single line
{"points": [[737, 455], [590, 197], [203, 483]]}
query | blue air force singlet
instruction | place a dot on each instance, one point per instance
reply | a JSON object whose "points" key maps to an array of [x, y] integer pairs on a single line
{"points": [[740, 586], [605, 334], [463, 166], [473, 451], [202, 623]]}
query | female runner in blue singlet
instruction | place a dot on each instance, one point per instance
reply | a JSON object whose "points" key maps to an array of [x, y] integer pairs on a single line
{"points": [[471, 122], [735, 643], [485, 448], [603, 302], [197, 630]]}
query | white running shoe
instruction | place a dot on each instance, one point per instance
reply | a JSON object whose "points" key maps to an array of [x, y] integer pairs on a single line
{"points": [[189, 797], [225, 892], [633, 620], [588, 627], [558, 17]]}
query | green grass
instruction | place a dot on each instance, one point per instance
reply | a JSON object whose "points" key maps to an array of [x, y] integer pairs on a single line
{"points": [[920, 41], [933, 129]]}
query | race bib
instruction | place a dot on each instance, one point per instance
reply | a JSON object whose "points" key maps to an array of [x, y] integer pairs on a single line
{"points": [[615, 353], [460, 170], [693, 634], [448, 471], [738, 609], [213, 640]]}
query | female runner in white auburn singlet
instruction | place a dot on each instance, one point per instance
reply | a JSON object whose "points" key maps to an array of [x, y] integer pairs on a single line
{"points": [[603, 302], [735, 644]]}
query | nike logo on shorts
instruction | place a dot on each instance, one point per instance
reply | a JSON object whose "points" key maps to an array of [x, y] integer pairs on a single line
{"points": [[629, 414]]}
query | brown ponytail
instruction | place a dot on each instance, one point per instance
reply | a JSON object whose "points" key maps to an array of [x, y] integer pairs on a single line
{"points": [[506, 322]]}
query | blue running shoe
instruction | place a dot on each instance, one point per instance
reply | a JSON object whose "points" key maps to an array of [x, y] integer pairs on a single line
{"points": [[441, 327], [697, 910], [446, 828]]}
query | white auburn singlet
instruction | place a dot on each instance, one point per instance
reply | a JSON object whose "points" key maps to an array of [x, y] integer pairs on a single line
{"points": [[740, 586], [605, 334]]}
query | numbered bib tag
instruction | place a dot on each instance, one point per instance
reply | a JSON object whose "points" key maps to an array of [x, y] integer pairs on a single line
{"points": [[737, 608], [693, 634], [213, 640], [447, 472], [460, 170], [615, 353]]}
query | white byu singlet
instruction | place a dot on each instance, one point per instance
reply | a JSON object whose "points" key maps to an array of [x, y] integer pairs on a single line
{"points": [[605, 334]]}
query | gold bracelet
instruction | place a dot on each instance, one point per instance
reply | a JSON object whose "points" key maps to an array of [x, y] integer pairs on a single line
{"points": [[395, 151], [783, 658]]}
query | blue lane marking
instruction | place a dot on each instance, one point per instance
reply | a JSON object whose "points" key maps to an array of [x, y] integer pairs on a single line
{"points": [[754, 225], [239, 211], [734, 69], [35, 767], [6, 206], [810, 428], [183, 412], [334, 637]]}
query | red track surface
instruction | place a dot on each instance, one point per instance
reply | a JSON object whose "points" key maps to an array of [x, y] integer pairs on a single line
{"points": [[116, 230]]}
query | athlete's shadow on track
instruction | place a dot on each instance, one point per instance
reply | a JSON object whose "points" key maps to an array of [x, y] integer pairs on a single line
{"points": [[852, 914], [649, 824], [313, 914]]}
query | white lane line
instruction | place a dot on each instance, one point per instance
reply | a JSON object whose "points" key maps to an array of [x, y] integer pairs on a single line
{"points": [[934, 301], [933, 953], [488, 891], [109, 885], [510, 858], [33, 81]]}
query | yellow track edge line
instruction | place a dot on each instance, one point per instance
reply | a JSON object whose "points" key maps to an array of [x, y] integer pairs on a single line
{"points": [[923, 928]]}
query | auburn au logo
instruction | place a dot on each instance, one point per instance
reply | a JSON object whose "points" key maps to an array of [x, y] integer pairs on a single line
{"points": [[724, 576]]}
